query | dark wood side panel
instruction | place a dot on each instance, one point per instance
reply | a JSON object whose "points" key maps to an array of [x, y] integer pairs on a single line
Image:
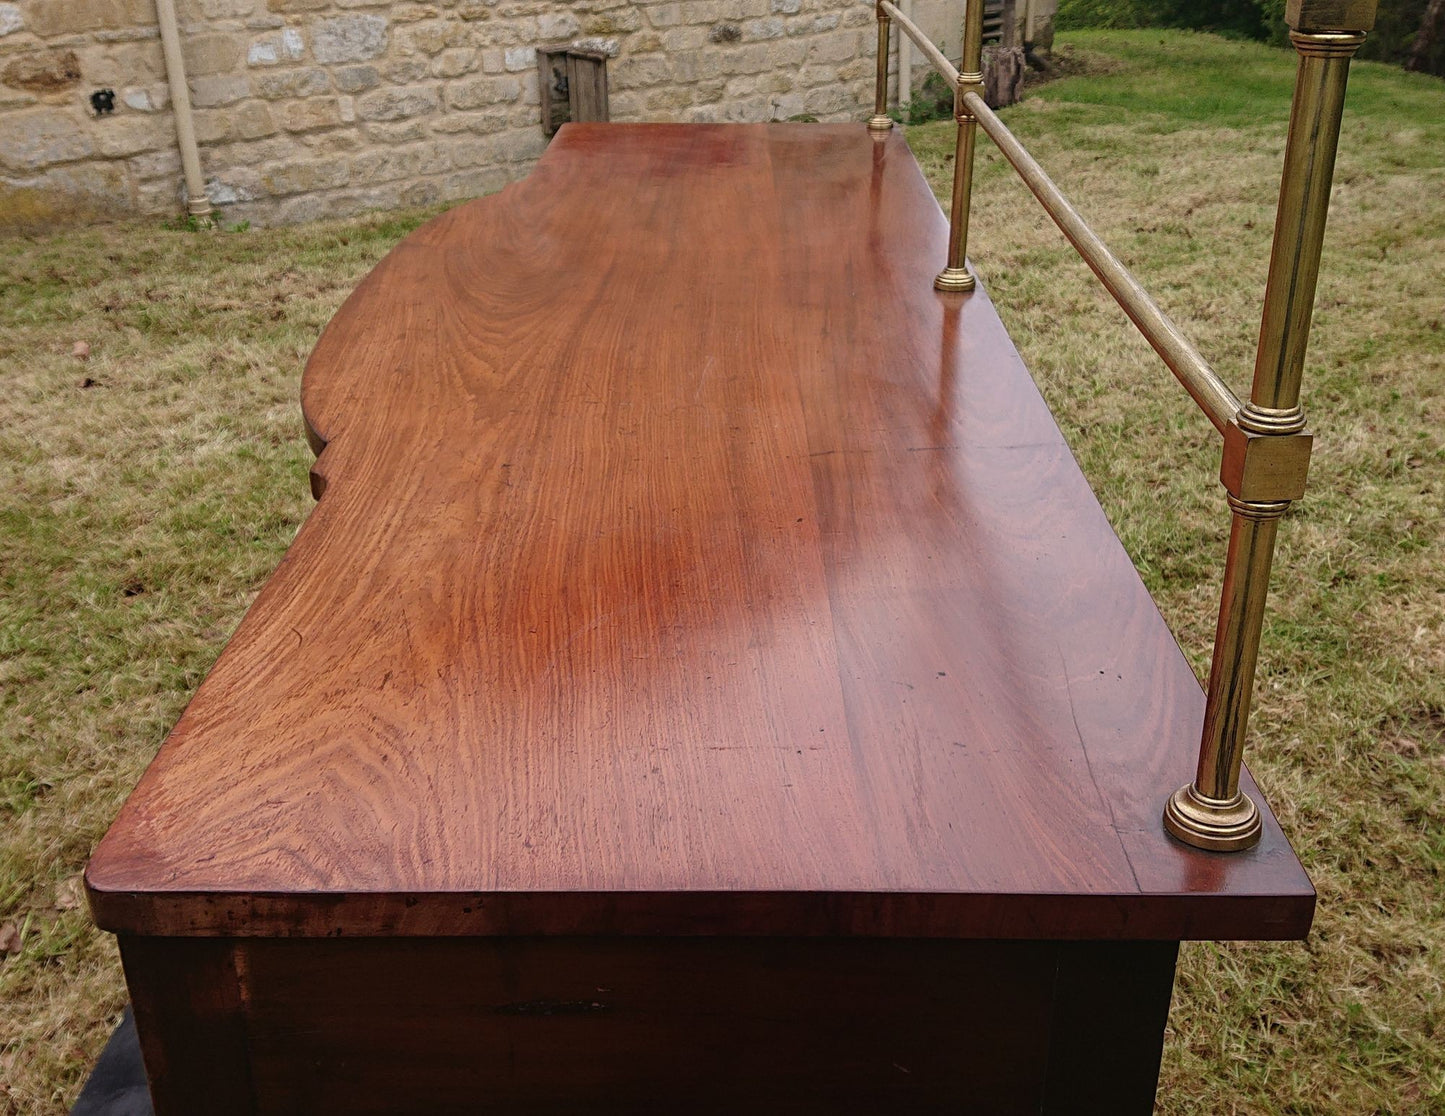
{"points": [[187, 994], [628, 1025], [1109, 998]]}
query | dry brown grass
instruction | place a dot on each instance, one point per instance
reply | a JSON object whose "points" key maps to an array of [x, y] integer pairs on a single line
{"points": [[147, 492]]}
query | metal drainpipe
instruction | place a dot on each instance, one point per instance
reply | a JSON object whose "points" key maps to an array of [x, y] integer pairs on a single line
{"points": [[197, 203], [905, 60]]}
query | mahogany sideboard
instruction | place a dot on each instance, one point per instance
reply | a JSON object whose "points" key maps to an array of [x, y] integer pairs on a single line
{"points": [[706, 683]]}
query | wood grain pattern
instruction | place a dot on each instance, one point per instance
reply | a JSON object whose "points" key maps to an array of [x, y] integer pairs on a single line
{"points": [[685, 564]]}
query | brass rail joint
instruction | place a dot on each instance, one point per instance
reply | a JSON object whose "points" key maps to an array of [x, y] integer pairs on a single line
{"points": [[1266, 446], [880, 122], [955, 277]]}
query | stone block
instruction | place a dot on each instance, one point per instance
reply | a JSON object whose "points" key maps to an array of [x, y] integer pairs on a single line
{"points": [[770, 28], [787, 54], [35, 138], [251, 154], [103, 180], [397, 132], [421, 193], [232, 188], [827, 99], [411, 13], [621, 21], [226, 9], [164, 195], [479, 92], [517, 59], [597, 45], [146, 98], [788, 106], [456, 62], [555, 26], [710, 11], [11, 19], [165, 163], [427, 37], [212, 126], [310, 114], [281, 84], [703, 114], [289, 7], [286, 46], [336, 140], [838, 46], [669, 99], [43, 71], [388, 163], [119, 136], [357, 79], [220, 89], [828, 21], [123, 64], [639, 72], [752, 59], [48, 18], [681, 39], [405, 70], [349, 38], [522, 147], [785, 7], [298, 177], [397, 104], [473, 183], [253, 120], [300, 210], [470, 152], [217, 53]]}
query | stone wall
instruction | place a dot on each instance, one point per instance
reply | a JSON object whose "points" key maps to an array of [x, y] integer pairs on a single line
{"points": [[307, 108]]}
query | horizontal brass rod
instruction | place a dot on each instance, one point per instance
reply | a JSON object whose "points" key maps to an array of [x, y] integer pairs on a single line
{"points": [[920, 40], [1184, 360]]}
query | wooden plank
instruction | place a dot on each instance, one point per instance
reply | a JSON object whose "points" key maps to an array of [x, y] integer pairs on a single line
{"points": [[587, 86], [705, 1025], [686, 564], [189, 1014]]}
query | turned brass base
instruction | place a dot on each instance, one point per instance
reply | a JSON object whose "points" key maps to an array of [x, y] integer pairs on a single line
{"points": [[880, 123], [1221, 825], [954, 279]]}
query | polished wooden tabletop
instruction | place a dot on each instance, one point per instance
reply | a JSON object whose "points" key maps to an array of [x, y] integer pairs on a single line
{"points": [[685, 564]]}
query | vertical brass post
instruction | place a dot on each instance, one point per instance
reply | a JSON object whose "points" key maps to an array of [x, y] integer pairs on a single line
{"points": [[880, 121], [956, 277], [1266, 451]]}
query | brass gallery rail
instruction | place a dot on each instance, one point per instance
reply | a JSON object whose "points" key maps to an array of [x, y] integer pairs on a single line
{"points": [[1266, 444]]}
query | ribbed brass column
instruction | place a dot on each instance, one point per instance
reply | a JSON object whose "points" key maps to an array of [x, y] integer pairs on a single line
{"points": [[1266, 447], [955, 277], [880, 121]]}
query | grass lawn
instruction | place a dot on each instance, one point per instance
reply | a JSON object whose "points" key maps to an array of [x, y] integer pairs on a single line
{"points": [[147, 492]]}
